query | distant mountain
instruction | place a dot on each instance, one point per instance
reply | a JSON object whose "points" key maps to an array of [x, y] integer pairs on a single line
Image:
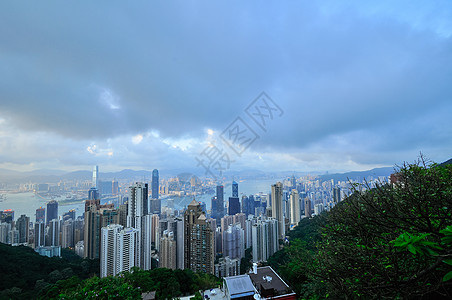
{"points": [[127, 174], [53, 176], [447, 162], [385, 171]]}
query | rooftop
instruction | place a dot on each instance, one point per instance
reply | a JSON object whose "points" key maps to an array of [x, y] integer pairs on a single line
{"points": [[239, 286], [268, 282]]}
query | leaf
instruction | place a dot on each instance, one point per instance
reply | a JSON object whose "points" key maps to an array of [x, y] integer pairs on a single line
{"points": [[447, 230], [448, 261], [448, 276], [412, 249]]}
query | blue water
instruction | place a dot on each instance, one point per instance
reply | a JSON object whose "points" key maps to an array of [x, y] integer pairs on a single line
{"points": [[27, 203]]}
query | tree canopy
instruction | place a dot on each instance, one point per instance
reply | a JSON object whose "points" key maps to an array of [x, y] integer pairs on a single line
{"points": [[390, 241], [25, 273], [168, 284]]}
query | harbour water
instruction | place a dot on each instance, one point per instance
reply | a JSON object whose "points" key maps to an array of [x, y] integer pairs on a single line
{"points": [[27, 203]]}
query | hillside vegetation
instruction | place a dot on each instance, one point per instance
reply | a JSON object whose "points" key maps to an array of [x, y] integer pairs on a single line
{"points": [[25, 273], [389, 242]]}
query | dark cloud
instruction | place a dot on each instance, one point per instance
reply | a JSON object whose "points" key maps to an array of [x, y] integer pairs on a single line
{"points": [[355, 81]]}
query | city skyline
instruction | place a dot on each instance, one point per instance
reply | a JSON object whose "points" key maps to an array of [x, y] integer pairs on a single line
{"points": [[360, 85]]}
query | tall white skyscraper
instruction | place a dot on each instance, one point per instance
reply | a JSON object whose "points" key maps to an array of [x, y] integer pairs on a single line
{"points": [[294, 208], [117, 249], [67, 234], [40, 234], [138, 202], [138, 217], [95, 177], [234, 241], [277, 208], [109, 246], [180, 243], [54, 232], [144, 242], [264, 239]]}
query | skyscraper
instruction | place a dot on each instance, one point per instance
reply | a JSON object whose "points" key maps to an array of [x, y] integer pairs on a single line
{"points": [[143, 247], [219, 204], [7, 216], [167, 253], [40, 214], [235, 189], [234, 206], [95, 177], [293, 182], [52, 211], [264, 239], [155, 184], [92, 231], [307, 207], [199, 245], [213, 207], [277, 208], [179, 236], [138, 217], [248, 205], [13, 237], [118, 249], [4, 229], [40, 234], [234, 241], [93, 194], [155, 206], [138, 202], [294, 208], [67, 233], [23, 225], [54, 232], [69, 215], [234, 201], [114, 187], [109, 247], [336, 194]]}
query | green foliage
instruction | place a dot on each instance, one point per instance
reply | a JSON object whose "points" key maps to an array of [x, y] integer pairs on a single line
{"points": [[416, 243], [392, 241], [246, 262], [25, 270], [102, 288], [167, 284], [197, 296]]}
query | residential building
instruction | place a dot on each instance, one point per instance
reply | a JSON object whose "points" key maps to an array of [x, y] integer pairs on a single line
{"points": [[199, 252]]}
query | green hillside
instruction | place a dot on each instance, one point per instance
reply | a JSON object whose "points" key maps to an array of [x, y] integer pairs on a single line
{"points": [[390, 242], [25, 273]]}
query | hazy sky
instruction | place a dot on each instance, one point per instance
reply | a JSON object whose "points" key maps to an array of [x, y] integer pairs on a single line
{"points": [[151, 84]]}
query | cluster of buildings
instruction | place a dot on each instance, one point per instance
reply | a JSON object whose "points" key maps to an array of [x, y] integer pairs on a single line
{"points": [[137, 232]]}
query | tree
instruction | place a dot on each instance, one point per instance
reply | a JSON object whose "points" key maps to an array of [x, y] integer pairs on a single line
{"points": [[103, 288], [392, 240], [389, 241], [246, 262]]}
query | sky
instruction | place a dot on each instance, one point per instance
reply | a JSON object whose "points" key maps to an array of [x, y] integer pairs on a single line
{"points": [[347, 85]]}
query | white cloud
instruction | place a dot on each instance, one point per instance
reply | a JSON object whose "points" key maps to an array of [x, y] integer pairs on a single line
{"points": [[136, 139], [109, 99], [360, 84]]}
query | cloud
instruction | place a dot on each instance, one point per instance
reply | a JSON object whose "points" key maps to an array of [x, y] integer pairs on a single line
{"points": [[360, 84]]}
